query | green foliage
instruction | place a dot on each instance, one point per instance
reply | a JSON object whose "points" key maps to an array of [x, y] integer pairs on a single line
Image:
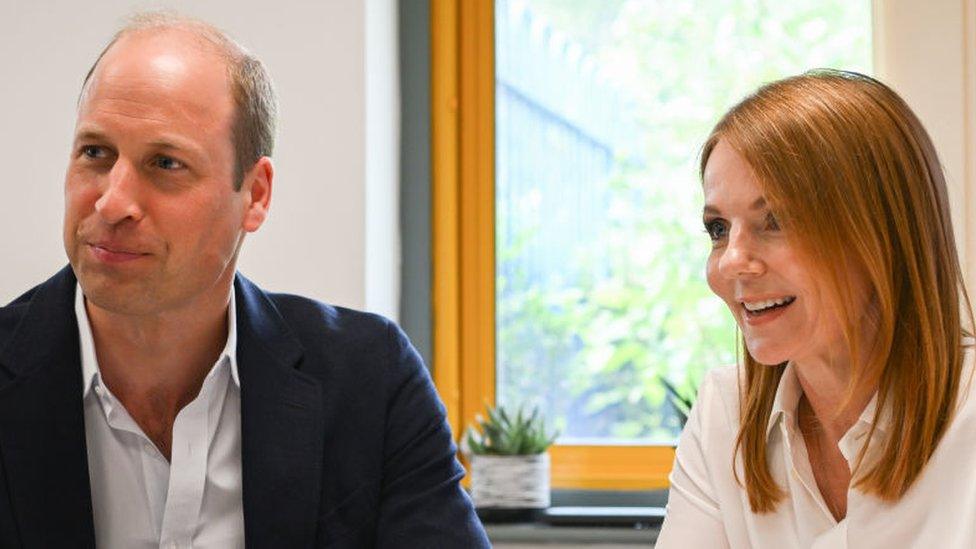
{"points": [[503, 435], [592, 353], [634, 307], [682, 401]]}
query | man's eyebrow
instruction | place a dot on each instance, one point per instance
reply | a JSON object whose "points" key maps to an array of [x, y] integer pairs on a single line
{"points": [[90, 135], [178, 143], [173, 145]]}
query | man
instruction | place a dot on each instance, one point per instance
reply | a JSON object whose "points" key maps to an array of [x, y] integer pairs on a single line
{"points": [[152, 397]]}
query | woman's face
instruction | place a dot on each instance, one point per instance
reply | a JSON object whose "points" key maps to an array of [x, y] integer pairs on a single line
{"points": [[759, 272]]}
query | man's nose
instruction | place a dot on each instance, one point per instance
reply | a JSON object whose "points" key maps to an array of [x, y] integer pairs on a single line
{"points": [[120, 197], [741, 256]]}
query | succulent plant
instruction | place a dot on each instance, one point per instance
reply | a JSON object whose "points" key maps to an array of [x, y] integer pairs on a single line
{"points": [[503, 435]]}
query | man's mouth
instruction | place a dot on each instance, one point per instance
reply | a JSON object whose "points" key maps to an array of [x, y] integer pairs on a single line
{"points": [[111, 253], [760, 307]]}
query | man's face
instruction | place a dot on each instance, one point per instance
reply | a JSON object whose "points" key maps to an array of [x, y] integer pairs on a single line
{"points": [[152, 222]]}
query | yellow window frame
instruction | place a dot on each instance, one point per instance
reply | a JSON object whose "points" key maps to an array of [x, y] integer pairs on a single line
{"points": [[463, 226]]}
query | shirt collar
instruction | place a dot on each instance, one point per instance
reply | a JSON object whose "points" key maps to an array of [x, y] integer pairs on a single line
{"points": [[787, 400], [89, 362], [230, 346]]}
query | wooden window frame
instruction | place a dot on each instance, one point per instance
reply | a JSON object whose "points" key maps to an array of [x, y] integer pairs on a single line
{"points": [[463, 227]]}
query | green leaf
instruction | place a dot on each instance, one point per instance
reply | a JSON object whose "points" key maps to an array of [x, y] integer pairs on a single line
{"points": [[500, 434]]}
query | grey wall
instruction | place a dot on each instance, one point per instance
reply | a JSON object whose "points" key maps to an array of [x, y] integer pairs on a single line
{"points": [[415, 297]]}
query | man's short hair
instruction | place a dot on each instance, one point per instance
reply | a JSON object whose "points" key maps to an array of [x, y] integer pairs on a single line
{"points": [[256, 106]]}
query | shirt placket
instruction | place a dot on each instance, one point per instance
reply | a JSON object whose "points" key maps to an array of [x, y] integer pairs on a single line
{"points": [[801, 471], [155, 470], [850, 446], [188, 471]]}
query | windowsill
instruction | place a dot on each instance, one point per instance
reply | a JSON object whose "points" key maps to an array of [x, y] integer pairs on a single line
{"points": [[582, 535], [584, 525]]}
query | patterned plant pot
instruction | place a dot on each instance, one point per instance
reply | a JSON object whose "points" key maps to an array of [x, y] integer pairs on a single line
{"points": [[508, 488]]}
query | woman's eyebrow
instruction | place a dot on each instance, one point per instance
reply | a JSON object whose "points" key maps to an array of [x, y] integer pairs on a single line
{"points": [[759, 204]]}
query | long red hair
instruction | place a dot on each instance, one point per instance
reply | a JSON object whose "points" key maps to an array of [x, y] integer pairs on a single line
{"points": [[849, 169]]}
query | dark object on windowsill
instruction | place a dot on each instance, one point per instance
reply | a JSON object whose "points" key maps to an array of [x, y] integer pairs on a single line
{"points": [[636, 517], [504, 515], [628, 517]]}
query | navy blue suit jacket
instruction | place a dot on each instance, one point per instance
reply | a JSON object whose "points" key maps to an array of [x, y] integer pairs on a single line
{"points": [[344, 441]]}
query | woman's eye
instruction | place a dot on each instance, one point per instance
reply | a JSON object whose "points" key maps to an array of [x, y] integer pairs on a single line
{"points": [[168, 163], [716, 229], [771, 223]]}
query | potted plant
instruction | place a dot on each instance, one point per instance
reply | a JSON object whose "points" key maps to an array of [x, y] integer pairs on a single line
{"points": [[509, 464]]}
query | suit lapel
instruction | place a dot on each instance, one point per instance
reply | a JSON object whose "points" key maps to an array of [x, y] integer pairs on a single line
{"points": [[282, 427], [42, 424]]}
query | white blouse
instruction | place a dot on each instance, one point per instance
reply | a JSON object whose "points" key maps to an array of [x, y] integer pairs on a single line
{"points": [[707, 508]]}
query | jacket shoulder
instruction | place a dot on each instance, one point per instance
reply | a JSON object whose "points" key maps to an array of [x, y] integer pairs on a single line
{"points": [[12, 314], [366, 345], [312, 320]]}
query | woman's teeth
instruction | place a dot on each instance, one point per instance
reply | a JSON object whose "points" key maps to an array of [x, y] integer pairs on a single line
{"points": [[760, 306]]}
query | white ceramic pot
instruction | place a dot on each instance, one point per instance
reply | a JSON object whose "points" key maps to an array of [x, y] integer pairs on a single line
{"points": [[510, 482]]}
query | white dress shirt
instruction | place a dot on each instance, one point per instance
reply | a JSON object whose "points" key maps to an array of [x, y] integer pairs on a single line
{"points": [[708, 509], [139, 499]]}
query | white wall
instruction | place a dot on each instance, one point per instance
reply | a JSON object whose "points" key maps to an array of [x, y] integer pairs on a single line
{"points": [[332, 231], [382, 158], [927, 52]]}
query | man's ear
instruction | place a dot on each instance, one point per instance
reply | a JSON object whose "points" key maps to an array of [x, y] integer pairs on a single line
{"points": [[256, 189]]}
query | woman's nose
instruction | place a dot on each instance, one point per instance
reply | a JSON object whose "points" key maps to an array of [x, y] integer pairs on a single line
{"points": [[741, 256]]}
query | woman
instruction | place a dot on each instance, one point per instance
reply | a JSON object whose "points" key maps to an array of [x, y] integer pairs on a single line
{"points": [[849, 422]]}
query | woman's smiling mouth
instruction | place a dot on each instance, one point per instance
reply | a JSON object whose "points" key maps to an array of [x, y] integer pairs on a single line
{"points": [[765, 308]]}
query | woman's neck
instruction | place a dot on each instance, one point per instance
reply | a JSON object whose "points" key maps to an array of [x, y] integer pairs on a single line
{"points": [[826, 387]]}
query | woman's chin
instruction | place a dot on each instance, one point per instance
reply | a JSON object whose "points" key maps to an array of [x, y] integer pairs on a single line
{"points": [[766, 355]]}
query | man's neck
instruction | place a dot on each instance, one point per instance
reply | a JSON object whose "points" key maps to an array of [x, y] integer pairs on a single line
{"points": [[155, 365]]}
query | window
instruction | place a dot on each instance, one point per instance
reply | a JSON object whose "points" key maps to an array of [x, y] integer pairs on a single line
{"points": [[568, 249]]}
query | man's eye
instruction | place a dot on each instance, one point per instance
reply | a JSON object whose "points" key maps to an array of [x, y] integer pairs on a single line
{"points": [[716, 229], [168, 163], [93, 152]]}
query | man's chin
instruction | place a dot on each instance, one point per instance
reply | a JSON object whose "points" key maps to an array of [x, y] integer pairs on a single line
{"points": [[115, 295]]}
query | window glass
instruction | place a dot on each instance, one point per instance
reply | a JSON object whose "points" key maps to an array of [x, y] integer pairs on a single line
{"points": [[601, 109]]}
